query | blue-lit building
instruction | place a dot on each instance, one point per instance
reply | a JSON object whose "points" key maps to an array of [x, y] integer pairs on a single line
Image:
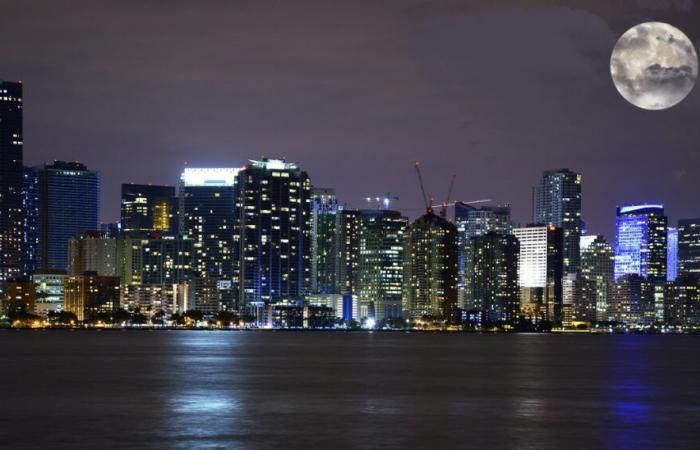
{"points": [[207, 217], [641, 242], [68, 205], [672, 254], [11, 182]]}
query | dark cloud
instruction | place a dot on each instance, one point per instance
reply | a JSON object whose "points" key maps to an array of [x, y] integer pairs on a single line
{"points": [[353, 91]]}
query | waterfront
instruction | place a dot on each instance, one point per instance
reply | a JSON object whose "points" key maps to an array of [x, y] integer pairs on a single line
{"points": [[207, 389]]}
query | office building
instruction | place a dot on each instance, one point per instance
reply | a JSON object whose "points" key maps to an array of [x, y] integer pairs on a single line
{"points": [[672, 254], [68, 206], [494, 277], [557, 201], [11, 182], [689, 247], [146, 208], [596, 276], [633, 300], [540, 272], [472, 221], [19, 296], [30, 218], [324, 210], [207, 217], [274, 228], [379, 276], [430, 269], [89, 295], [49, 291], [347, 250], [640, 242], [92, 251]]}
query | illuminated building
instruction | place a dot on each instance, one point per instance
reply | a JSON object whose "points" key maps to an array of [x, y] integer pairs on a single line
{"points": [[379, 275], [68, 206], [494, 277], [682, 306], [347, 250], [19, 296], [633, 300], [30, 228], [89, 294], [540, 272], [596, 277], [49, 291], [430, 269], [557, 201], [11, 182], [672, 254], [92, 252], [148, 208], [324, 209], [474, 221], [689, 247], [207, 217], [640, 241], [151, 299], [274, 229]]}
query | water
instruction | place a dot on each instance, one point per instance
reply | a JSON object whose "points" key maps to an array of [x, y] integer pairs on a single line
{"points": [[201, 389]]}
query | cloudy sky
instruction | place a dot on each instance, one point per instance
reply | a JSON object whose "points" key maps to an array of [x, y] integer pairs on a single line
{"points": [[355, 91]]}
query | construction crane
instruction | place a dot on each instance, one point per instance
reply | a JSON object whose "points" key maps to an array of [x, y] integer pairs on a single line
{"points": [[428, 208], [443, 211], [383, 201]]}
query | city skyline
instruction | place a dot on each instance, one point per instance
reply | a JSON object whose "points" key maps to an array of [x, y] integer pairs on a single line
{"points": [[110, 111]]}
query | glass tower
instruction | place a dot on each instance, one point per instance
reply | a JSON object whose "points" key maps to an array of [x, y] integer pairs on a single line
{"points": [[324, 209], [11, 182], [689, 247], [640, 241], [68, 206], [557, 201]]}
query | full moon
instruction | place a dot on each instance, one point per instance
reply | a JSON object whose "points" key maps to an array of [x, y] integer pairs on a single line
{"points": [[654, 65]]}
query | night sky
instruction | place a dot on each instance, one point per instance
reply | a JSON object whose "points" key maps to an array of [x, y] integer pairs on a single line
{"points": [[355, 91]]}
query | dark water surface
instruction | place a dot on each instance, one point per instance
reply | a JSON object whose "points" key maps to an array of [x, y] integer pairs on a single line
{"points": [[199, 389]]}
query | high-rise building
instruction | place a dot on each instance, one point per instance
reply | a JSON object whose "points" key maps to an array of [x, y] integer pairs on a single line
{"points": [[633, 300], [11, 182], [430, 269], [557, 201], [92, 251], [682, 305], [472, 221], [347, 250], [640, 241], [30, 228], [207, 217], [274, 231], [596, 277], [324, 210], [689, 247], [494, 277], [379, 275], [49, 291], [672, 254], [147, 208], [540, 272], [90, 294], [68, 206]]}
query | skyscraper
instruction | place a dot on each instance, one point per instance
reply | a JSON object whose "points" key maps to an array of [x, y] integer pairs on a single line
{"points": [[540, 272], [672, 254], [379, 275], [11, 182], [347, 250], [324, 209], [557, 201], [495, 277], [430, 269], [147, 208], [596, 280], [92, 251], [30, 218], [207, 217], [472, 221], [689, 247], [274, 227], [68, 206], [640, 241]]}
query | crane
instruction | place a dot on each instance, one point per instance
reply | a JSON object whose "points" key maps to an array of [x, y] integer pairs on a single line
{"points": [[428, 208], [383, 201], [443, 212]]}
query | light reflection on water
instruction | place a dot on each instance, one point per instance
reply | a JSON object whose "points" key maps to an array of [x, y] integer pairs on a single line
{"points": [[349, 390]]}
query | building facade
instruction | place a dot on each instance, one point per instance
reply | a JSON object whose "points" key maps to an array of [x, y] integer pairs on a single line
{"points": [[92, 251], [11, 182], [557, 201], [640, 242], [324, 222], [596, 276], [68, 206], [90, 295], [146, 208], [689, 247], [430, 269]]}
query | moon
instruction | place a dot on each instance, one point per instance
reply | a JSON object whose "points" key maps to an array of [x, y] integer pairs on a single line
{"points": [[654, 65]]}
